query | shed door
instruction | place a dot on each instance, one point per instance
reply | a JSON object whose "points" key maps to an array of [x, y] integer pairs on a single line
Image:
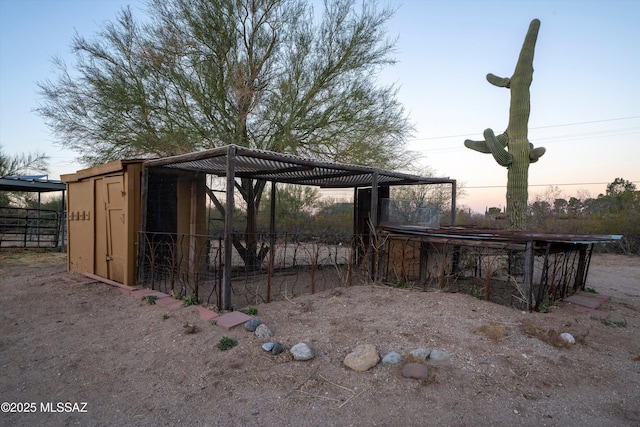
{"points": [[114, 203]]}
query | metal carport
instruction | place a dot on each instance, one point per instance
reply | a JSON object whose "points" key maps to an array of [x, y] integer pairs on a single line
{"points": [[37, 184]]}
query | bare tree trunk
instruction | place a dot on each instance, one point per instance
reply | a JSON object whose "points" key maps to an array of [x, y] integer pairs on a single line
{"points": [[247, 245]]}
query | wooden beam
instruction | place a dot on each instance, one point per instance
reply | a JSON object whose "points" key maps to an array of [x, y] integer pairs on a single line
{"points": [[107, 281], [142, 236], [528, 273]]}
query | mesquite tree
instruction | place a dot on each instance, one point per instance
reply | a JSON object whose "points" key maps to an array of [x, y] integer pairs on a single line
{"points": [[512, 148], [19, 164], [263, 74]]}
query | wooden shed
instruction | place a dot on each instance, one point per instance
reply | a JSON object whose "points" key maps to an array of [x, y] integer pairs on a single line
{"points": [[106, 213], [103, 216]]}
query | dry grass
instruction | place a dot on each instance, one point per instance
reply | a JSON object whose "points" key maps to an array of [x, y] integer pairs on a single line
{"points": [[190, 328], [412, 359], [550, 336], [18, 257], [494, 331]]}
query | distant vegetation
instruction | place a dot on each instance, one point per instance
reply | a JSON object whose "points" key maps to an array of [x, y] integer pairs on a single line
{"points": [[303, 211], [615, 212]]}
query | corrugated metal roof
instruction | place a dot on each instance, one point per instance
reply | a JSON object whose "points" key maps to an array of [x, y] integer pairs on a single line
{"points": [[514, 236], [270, 166], [35, 184]]}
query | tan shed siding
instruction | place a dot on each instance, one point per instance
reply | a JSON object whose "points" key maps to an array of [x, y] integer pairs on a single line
{"points": [[80, 226], [104, 219]]}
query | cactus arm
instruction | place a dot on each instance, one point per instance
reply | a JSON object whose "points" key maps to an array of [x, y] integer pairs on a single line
{"points": [[482, 147], [502, 156], [499, 81], [536, 153], [503, 139]]}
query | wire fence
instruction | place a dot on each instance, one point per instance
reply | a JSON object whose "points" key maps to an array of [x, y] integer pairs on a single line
{"points": [[275, 267], [491, 272], [286, 265]]}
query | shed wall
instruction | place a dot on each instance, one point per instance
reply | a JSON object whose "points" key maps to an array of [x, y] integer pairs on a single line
{"points": [[104, 219]]}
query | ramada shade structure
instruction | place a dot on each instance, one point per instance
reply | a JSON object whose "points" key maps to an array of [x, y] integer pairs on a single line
{"points": [[36, 184], [233, 161], [276, 167]]}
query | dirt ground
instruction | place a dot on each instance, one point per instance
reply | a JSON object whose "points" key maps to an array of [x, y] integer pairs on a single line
{"points": [[112, 359]]}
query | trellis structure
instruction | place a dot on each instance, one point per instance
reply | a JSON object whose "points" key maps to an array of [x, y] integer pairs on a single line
{"points": [[233, 162]]}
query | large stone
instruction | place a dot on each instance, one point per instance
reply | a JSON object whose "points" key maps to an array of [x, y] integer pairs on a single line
{"points": [[277, 348], [362, 358], [301, 351], [251, 325], [392, 358], [415, 370], [420, 353], [263, 331]]}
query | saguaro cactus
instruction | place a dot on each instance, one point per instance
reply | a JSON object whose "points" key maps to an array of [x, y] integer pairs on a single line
{"points": [[512, 148]]}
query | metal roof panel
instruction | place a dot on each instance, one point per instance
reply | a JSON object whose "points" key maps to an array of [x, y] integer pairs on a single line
{"points": [[270, 166]]}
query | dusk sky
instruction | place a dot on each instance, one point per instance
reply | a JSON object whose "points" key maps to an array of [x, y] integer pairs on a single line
{"points": [[585, 96]]}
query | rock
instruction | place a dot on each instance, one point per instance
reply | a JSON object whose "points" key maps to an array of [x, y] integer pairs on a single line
{"points": [[251, 325], [567, 337], [277, 348], [263, 331], [268, 346], [301, 351], [415, 370], [362, 357], [420, 353], [439, 355], [392, 358]]}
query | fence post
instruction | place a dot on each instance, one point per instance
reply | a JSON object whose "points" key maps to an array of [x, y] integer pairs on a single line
{"points": [[272, 238], [528, 273], [374, 223], [26, 229], [228, 228]]}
